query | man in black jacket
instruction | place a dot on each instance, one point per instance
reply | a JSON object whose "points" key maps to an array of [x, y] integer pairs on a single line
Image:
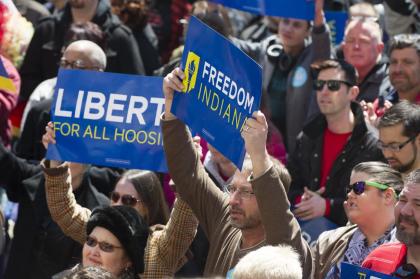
{"points": [[39, 248], [330, 146], [45, 49]]}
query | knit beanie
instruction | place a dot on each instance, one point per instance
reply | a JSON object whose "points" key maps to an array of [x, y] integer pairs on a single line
{"points": [[127, 225]]}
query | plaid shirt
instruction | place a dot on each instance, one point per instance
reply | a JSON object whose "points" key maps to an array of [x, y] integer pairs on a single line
{"points": [[166, 245]]}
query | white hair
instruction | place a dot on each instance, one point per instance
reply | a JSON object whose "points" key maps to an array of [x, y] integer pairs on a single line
{"points": [[269, 262]]}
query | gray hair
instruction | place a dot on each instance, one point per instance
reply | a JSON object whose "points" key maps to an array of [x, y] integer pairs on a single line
{"points": [[413, 177], [269, 262]]}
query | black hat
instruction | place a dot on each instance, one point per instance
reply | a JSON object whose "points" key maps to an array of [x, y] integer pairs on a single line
{"points": [[127, 225]]}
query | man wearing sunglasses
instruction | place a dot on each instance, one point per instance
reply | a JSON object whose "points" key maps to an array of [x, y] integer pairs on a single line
{"points": [[399, 138], [330, 146], [401, 259]]}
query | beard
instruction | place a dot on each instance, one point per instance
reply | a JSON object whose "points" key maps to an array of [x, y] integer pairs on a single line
{"points": [[408, 238], [247, 222], [404, 168], [403, 85]]}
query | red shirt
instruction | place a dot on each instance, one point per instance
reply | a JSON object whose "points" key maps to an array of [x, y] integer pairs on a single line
{"points": [[333, 145]]}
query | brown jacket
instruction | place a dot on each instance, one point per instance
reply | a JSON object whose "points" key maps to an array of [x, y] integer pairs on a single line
{"points": [[330, 248], [211, 205]]}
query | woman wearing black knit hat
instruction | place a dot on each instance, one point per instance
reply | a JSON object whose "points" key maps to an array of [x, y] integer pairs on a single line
{"points": [[168, 242], [116, 239]]}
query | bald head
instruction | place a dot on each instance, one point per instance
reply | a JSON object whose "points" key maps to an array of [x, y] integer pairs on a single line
{"points": [[84, 54]]}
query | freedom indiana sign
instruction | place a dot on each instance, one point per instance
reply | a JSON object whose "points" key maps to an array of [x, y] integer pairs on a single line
{"points": [[222, 89]]}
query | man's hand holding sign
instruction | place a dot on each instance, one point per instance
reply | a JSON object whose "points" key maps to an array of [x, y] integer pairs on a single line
{"points": [[172, 82], [255, 136]]}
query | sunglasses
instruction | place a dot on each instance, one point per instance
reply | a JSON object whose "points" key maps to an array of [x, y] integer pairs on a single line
{"points": [[125, 199], [359, 187], [104, 246], [332, 84]]}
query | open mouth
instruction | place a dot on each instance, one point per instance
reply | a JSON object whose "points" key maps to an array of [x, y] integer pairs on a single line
{"points": [[351, 205]]}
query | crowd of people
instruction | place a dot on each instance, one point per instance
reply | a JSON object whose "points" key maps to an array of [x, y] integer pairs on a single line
{"points": [[336, 139]]}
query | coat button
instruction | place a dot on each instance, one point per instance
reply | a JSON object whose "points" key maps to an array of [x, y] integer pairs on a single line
{"points": [[316, 179], [316, 155], [344, 160]]}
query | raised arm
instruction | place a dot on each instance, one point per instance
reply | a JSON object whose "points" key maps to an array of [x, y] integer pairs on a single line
{"points": [[193, 183], [269, 183], [321, 41], [70, 216], [174, 240]]}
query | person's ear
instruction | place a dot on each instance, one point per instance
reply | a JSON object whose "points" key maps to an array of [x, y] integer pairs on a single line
{"points": [[380, 47], [353, 93], [390, 197]]}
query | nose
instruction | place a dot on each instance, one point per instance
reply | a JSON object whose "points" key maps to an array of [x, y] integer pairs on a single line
{"points": [[94, 251], [406, 209], [356, 45], [387, 152], [396, 67], [324, 90], [234, 198], [351, 195], [286, 26]]}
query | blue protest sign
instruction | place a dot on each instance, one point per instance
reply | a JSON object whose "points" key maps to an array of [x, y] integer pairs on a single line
{"points": [[313, 228], [302, 9], [354, 271], [108, 119], [337, 23], [222, 89]]}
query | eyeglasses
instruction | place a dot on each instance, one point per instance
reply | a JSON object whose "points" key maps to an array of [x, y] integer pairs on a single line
{"points": [[243, 194], [77, 64], [103, 245], [125, 199], [395, 147], [360, 186], [332, 84]]}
